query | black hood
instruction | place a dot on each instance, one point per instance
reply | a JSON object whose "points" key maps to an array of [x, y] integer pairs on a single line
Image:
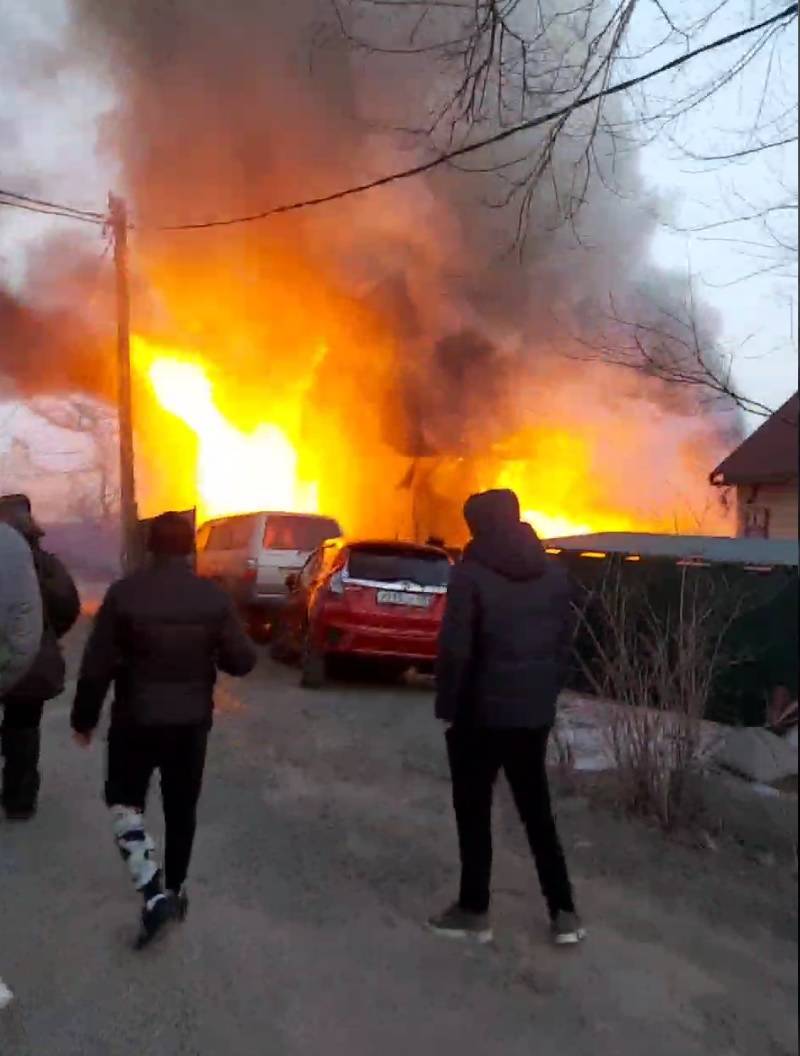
{"points": [[16, 511], [500, 541]]}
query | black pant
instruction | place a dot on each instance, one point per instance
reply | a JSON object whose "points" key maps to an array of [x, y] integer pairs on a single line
{"points": [[476, 757], [179, 754], [20, 740]]}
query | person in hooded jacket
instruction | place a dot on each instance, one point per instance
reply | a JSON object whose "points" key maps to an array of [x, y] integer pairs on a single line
{"points": [[160, 637], [23, 704], [503, 647]]}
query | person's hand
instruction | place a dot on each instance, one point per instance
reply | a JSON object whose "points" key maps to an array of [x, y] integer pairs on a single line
{"points": [[82, 739]]}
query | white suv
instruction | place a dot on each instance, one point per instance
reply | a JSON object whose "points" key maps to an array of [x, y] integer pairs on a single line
{"points": [[251, 555]]}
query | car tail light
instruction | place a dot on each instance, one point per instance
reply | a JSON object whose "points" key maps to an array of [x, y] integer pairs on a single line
{"points": [[250, 570], [336, 584]]}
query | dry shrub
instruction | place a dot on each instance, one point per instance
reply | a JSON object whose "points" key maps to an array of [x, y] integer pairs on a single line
{"points": [[657, 664]]}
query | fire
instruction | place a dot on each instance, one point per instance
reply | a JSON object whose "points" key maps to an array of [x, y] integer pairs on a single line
{"points": [[317, 440], [555, 487], [236, 470], [276, 385], [556, 482], [549, 527]]}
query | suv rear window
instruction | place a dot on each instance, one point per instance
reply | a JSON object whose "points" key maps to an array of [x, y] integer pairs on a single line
{"points": [[394, 565], [220, 536], [241, 532], [233, 533], [295, 532]]}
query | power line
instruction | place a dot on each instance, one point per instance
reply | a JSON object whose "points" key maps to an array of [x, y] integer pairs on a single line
{"points": [[49, 212], [51, 205], [52, 209], [498, 137], [38, 205]]}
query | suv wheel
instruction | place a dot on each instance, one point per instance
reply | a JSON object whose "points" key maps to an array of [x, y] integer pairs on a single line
{"points": [[313, 667]]}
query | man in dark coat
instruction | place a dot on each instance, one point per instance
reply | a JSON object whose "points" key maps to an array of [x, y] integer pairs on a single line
{"points": [[160, 637], [23, 705], [502, 651]]}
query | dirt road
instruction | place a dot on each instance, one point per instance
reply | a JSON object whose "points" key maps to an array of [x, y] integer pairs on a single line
{"points": [[325, 840]]}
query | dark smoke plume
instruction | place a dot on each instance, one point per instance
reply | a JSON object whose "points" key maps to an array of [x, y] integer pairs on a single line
{"points": [[49, 350], [57, 332], [231, 108]]}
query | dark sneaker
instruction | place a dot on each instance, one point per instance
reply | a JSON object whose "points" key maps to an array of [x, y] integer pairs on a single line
{"points": [[20, 813], [458, 923], [157, 913], [566, 929]]}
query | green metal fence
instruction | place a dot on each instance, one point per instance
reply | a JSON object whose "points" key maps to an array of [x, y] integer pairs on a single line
{"points": [[754, 616]]}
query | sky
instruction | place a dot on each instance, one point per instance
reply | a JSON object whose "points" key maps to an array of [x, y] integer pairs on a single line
{"points": [[758, 312], [48, 128]]}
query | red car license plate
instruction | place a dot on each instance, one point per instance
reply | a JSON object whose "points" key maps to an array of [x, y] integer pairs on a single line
{"points": [[400, 597]]}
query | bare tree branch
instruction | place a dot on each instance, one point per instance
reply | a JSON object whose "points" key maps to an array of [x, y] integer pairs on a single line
{"points": [[502, 60], [93, 420], [672, 349]]}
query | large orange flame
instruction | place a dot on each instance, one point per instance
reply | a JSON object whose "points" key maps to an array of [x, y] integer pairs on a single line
{"points": [[556, 495], [249, 452], [236, 471]]}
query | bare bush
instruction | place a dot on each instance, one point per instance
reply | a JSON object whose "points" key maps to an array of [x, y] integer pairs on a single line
{"points": [[656, 665]]}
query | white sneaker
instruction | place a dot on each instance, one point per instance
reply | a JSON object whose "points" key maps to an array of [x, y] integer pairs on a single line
{"points": [[458, 923], [567, 929], [6, 997]]}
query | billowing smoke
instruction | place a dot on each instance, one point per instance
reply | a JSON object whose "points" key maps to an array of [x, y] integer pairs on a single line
{"points": [[35, 342], [234, 108]]}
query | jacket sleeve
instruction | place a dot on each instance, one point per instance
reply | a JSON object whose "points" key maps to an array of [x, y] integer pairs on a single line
{"points": [[20, 608], [456, 645], [236, 654], [59, 594], [98, 667]]}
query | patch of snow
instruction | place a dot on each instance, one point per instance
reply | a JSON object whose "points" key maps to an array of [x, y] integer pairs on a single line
{"points": [[581, 723], [5, 995], [758, 755], [764, 790]]}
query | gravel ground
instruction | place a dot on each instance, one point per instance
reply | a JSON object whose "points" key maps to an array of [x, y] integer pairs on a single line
{"points": [[325, 840]]}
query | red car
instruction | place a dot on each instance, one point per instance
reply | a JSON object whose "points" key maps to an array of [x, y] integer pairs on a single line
{"points": [[381, 601]]}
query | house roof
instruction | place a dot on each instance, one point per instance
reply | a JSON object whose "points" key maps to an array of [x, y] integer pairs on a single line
{"points": [[716, 550], [770, 454]]}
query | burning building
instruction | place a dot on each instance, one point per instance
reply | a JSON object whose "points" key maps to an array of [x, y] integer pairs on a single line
{"points": [[377, 358]]}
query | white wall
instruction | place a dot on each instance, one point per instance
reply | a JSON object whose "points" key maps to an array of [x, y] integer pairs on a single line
{"points": [[778, 500]]}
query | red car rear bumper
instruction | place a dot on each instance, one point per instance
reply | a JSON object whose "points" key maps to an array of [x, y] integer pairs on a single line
{"points": [[368, 641]]}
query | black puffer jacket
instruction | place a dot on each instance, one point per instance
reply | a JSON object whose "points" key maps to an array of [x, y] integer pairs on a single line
{"points": [[507, 625], [160, 636], [61, 607]]}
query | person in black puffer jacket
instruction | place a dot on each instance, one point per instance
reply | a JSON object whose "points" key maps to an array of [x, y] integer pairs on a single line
{"points": [[503, 647], [23, 706], [160, 637]]}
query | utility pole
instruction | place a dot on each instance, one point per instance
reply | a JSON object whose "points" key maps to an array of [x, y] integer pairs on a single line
{"points": [[127, 483]]}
